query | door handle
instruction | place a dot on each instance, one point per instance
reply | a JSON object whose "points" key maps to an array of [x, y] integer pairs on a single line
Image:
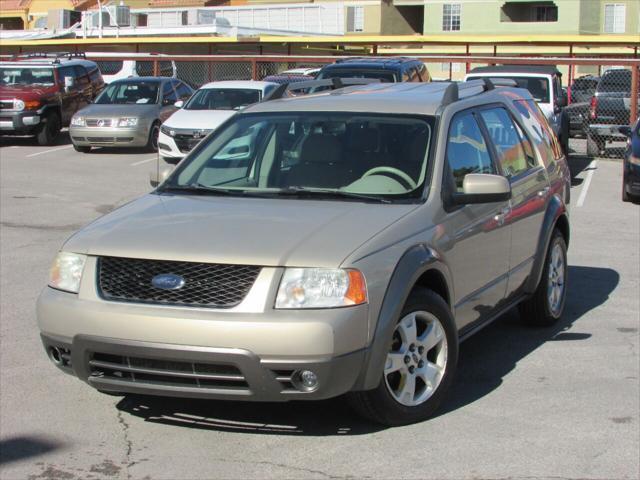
{"points": [[501, 214], [543, 192]]}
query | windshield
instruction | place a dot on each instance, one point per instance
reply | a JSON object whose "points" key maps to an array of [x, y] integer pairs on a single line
{"points": [[382, 75], [334, 154], [121, 93], [538, 86], [222, 98], [26, 76]]}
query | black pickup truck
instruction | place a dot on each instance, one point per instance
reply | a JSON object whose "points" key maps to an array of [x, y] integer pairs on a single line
{"points": [[609, 110]]}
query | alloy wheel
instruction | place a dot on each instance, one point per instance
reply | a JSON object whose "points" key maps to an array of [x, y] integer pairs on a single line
{"points": [[417, 360]]}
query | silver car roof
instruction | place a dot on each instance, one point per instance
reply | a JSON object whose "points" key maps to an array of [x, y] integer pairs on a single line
{"points": [[398, 98]]}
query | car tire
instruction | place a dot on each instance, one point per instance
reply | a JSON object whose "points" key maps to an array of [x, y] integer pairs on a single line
{"points": [[154, 133], [393, 402], [49, 131], [564, 136], [81, 149], [171, 160], [545, 306], [594, 146]]}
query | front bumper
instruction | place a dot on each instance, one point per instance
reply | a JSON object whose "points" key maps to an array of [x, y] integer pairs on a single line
{"points": [[127, 366], [168, 149], [23, 122], [253, 337], [606, 131], [109, 136]]}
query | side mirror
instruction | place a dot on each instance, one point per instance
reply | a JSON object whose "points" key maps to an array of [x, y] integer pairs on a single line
{"points": [[69, 83], [179, 104], [160, 174], [625, 130], [562, 100], [483, 188]]}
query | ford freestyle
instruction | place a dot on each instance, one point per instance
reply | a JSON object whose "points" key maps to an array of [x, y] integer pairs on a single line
{"points": [[350, 242]]}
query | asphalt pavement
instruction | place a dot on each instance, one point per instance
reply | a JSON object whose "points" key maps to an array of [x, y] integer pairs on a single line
{"points": [[560, 402]]}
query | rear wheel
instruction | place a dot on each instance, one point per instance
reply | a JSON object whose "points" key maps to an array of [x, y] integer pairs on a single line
{"points": [[49, 130], [594, 145], [81, 149], [546, 305], [154, 133], [419, 367]]}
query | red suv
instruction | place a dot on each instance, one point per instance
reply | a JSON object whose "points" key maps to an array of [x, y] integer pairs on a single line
{"points": [[39, 93]]}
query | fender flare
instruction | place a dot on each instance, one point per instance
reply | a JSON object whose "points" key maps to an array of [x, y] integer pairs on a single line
{"points": [[414, 262], [555, 210]]}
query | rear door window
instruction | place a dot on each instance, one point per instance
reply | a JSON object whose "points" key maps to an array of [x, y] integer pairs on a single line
{"points": [[509, 143], [169, 96]]}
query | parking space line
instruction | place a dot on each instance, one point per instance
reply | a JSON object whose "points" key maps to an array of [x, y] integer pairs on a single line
{"points": [[51, 150], [147, 160], [593, 166]]}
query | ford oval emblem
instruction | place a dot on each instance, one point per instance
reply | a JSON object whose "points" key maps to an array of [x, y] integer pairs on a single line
{"points": [[168, 281]]}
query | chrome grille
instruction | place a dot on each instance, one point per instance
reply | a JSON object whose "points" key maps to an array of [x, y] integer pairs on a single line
{"points": [[150, 371], [99, 122], [205, 284]]}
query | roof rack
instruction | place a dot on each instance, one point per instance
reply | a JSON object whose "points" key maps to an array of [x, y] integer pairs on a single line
{"points": [[452, 92], [55, 55], [332, 83]]}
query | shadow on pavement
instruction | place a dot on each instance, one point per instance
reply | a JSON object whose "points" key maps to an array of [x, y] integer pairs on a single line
{"points": [[484, 360], [490, 355], [21, 448], [577, 165], [22, 141]]}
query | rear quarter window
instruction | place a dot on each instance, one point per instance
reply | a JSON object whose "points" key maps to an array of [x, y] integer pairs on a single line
{"points": [[542, 133]]}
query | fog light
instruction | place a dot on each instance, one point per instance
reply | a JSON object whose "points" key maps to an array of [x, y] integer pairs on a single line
{"points": [[305, 380], [31, 120]]}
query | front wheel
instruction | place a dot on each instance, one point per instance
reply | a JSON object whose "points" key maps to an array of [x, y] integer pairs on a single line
{"points": [[81, 149], [49, 130], [420, 364], [594, 146], [154, 133], [546, 305]]}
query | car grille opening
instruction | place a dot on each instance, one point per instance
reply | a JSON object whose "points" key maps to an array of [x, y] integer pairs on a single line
{"points": [[186, 143], [205, 284], [99, 122], [285, 378], [150, 371]]}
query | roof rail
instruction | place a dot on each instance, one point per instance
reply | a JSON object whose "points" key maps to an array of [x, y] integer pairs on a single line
{"points": [[54, 55], [332, 83], [452, 93]]}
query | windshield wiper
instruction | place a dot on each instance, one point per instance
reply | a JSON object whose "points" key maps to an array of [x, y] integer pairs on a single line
{"points": [[328, 193], [199, 188]]}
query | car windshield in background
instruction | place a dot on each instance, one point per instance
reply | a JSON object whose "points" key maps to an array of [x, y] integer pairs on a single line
{"points": [[129, 93], [538, 86], [616, 81], [330, 155], [383, 76], [26, 76], [222, 98]]}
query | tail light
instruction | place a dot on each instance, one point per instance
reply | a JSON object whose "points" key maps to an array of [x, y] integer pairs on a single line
{"points": [[594, 106]]}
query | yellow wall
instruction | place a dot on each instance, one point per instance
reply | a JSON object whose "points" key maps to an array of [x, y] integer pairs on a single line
{"points": [[40, 7]]}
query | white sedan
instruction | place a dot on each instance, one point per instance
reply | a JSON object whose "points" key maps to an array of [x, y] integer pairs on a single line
{"points": [[207, 109]]}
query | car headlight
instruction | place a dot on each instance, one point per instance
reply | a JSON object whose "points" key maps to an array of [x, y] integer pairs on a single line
{"points": [[18, 104], [66, 271], [77, 122], [167, 131], [128, 122], [321, 288]]}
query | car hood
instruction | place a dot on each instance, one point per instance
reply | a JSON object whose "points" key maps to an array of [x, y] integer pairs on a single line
{"points": [[137, 110], [24, 92], [235, 230], [199, 119]]}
